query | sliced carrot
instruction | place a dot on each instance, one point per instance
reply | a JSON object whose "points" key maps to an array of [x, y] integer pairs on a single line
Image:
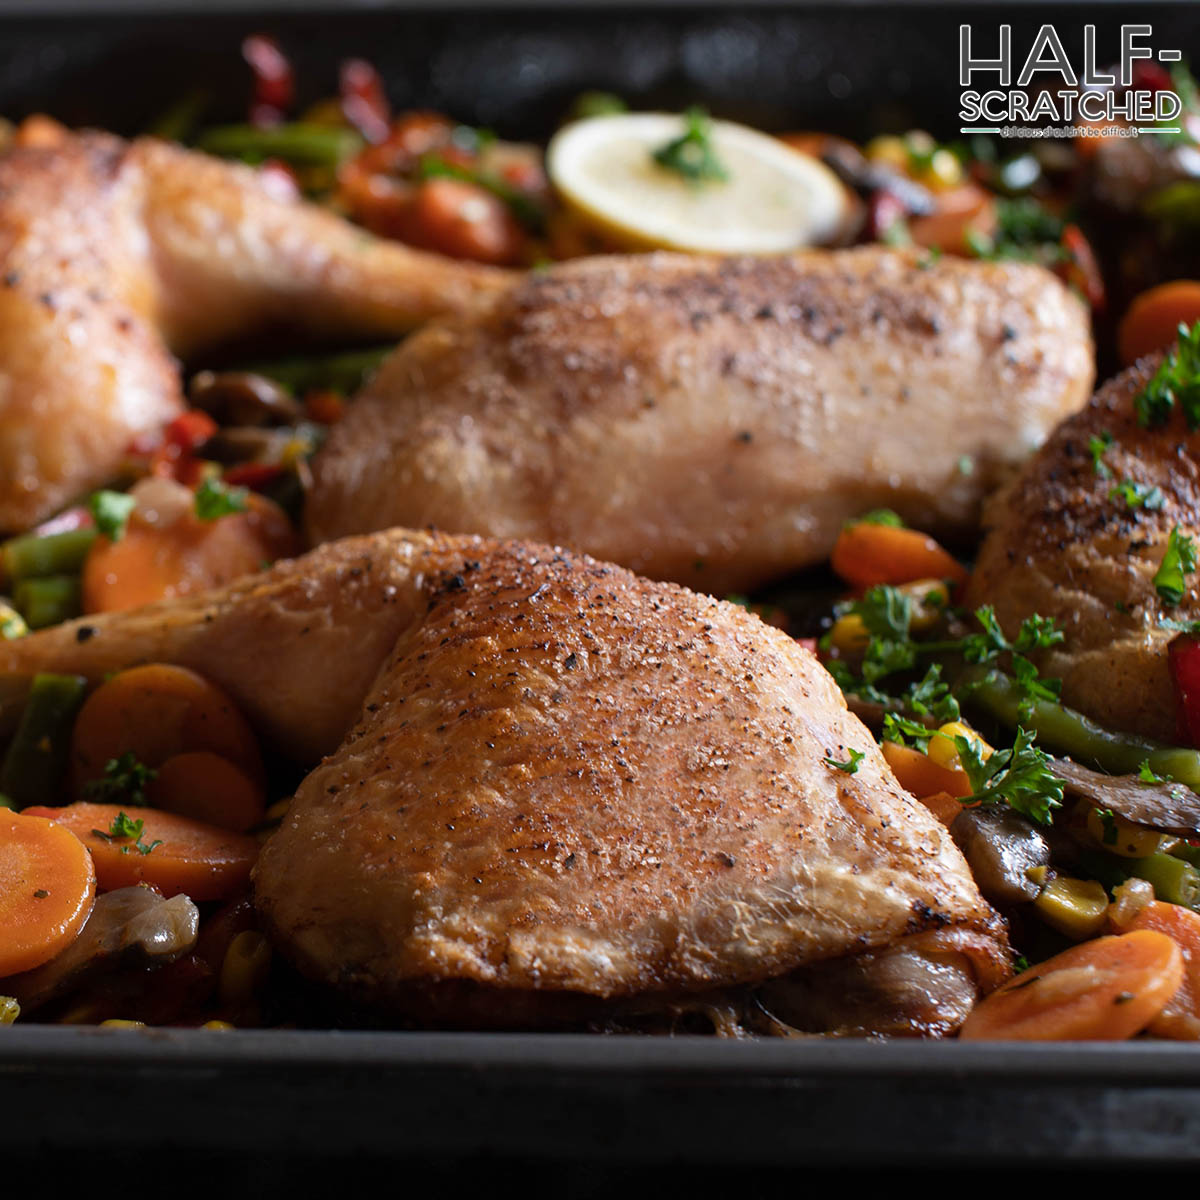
{"points": [[463, 220], [943, 805], [919, 774], [1180, 1019], [152, 563], [1105, 990], [961, 213], [865, 555], [207, 787], [47, 885], [1152, 320], [200, 860], [155, 712]]}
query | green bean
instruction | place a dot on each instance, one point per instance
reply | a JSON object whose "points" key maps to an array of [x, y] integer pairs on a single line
{"points": [[300, 144], [1066, 731], [176, 123], [342, 372], [32, 557], [1175, 881], [48, 601], [37, 756]]}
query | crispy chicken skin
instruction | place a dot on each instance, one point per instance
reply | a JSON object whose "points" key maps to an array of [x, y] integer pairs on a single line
{"points": [[712, 421], [551, 784], [1058, 544], [113, 255]]}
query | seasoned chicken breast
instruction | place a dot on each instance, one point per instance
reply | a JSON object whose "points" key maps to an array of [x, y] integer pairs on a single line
{"points": [[552, 788], [712, 421], [113, 255], [1064, 542]]}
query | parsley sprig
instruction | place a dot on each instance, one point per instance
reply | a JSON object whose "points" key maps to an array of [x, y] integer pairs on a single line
{"points": [[1176, 382], [1178, 561], [1098, 445], [124, 828], [850, 766], [216, 499], [111, 512], [1137, 495], [124, 781], [693, 155], [1019, 777]]}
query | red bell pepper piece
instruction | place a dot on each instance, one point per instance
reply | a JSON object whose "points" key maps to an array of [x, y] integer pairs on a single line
{"points": [[1183, 657]]}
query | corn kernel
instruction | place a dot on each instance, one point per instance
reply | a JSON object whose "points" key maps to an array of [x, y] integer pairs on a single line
{"points": [[118, 1023], [944, 171], [944, 752], [221, 1025], [1122, 837], [929, 598], [1075, 907], [245, 968], [849, 633], [888, 149], [10, 1010]]}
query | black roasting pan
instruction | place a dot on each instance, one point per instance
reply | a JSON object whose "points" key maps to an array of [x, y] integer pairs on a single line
{"points": [[265, 1109]]}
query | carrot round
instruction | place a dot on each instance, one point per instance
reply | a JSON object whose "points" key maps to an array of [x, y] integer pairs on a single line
{"points": [[960, 212], [1152, 320], [152, 563], [1105, 990], [156, 712], [865, 555], [207, 787], [1180, 1019], [944, 806], [47, 885], [919, 774], [202, 861]]}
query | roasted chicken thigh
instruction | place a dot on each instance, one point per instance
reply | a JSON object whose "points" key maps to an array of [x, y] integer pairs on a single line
{"points": [[114, 255], [552, 789], [712, 421]]}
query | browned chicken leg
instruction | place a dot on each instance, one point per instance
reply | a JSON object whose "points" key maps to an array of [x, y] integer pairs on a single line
{"points": [[113, 255], [553, 787], [1064, 542], [712, 421]]}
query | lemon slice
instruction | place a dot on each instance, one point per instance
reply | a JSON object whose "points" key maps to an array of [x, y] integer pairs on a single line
{"points": [[774, 198]]}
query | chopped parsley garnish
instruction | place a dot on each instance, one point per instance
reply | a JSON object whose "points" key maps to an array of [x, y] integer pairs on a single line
{"points": [[1176, 382], [1192, 627], [1097, 445], [850, 766], [1137, 495], [124, 781], [1179, 560], [123, 828], [1019, 777], [879, 516], [1108, 821], [692, 155], [1147, 774], [216, 499], [900, 729], [1025, 229], [111, 512]]}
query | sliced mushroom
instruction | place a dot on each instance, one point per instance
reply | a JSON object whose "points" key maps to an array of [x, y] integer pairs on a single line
{"points": [[1000, 847], [1167, 807], [242, 398], [132, 926]]}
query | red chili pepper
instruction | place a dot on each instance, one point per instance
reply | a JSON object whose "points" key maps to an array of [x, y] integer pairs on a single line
{"points": [[885, 211], [190, 429], [274, 82], [1081, 269], [364, 102], [254, 475], [1183, 658], [73, 518]]}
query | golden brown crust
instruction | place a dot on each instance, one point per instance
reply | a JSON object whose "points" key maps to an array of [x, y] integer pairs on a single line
{"points": [[557, 780], [712, 421], [1060, 544]]}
